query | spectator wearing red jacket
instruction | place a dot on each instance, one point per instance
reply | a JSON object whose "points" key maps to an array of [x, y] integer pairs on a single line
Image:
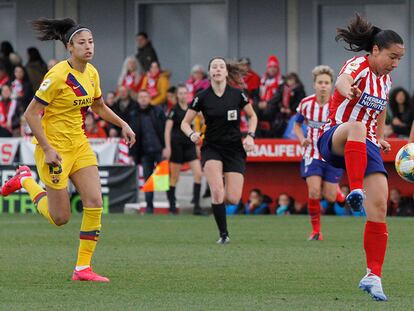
{"points": [[271, 79], [251, 80]]}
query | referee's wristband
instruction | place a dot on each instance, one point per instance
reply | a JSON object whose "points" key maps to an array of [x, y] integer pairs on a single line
{"points": [[191, 134], [251, 134]]}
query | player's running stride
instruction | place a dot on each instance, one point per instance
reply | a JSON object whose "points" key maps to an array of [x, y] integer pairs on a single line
{"points": [[62, 149]]}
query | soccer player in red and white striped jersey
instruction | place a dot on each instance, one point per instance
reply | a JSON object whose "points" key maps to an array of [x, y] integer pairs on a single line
{"points": [[321, 178], [354, 134]]}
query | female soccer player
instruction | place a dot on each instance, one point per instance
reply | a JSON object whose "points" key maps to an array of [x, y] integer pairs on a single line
{"points": [[322, 179], [223, 152], [62, 149], [179, 149], [353, 136]]}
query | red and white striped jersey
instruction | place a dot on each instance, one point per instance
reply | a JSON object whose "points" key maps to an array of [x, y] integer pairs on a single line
{"points": [[369, 105], [315, 116]]}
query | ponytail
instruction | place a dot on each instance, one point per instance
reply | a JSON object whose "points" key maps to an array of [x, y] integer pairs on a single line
{"points": [[56, 29], [361, 35]]}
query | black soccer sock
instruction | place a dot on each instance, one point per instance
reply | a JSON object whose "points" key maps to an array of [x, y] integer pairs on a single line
{"points": [[219, 211], [171, 197], [196, 195]]}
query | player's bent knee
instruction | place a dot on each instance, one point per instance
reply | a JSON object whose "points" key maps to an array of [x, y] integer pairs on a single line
{"points": [[233, 200], [60, 220], [217, 195], [357, 128], [314, 194], [93, 202]]}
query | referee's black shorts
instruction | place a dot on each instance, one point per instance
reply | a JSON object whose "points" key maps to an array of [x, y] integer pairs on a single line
{"points": [[182, 153], [232, 157]]}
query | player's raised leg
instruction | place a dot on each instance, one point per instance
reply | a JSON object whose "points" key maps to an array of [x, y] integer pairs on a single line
{"points": [[86, 181], [349, 140]]}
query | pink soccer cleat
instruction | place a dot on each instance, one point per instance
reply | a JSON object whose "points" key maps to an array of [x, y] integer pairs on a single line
{"points": [[88, 275], [14, 183]]}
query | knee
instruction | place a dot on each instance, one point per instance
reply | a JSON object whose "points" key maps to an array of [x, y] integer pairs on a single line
{"points": [[95, 201], [232, 199], [357, 128], [217, 194], [314, 193], [379, 213], [60, 220]]}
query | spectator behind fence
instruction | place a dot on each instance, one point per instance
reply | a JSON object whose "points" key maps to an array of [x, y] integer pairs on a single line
{"points": [[171, 99], [146, 53], [398, 205], [401, 111], [131, 75], [197, 82], [122, 107], [284, 103], [251, 80], [36, 67], [271, 79], [7, 109], [156, 82], [92, 127], [4, 77], [22, 94], [256, 204], [285, 204], [148, 123], [9, 58], [110, 99]]}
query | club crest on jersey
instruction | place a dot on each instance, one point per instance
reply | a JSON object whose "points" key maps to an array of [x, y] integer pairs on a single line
{"points": [[231, 115], [353, 66], [76, 87], [372, 102]]}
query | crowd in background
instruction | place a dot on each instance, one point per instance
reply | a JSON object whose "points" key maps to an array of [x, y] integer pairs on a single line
{"points": [[144, 92]]}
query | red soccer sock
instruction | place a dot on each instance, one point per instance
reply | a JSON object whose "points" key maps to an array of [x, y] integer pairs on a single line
{"points": [[356, 163], [375, 245], [314, 208]]}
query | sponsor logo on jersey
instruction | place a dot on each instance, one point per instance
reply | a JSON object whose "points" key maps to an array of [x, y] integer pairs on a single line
{"points": [[45, 84], [76, 87], [353, 66], [83, 102], [372, 102]]}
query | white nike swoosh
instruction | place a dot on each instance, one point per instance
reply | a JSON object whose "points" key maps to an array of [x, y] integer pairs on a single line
{"points": [[76, 87]]}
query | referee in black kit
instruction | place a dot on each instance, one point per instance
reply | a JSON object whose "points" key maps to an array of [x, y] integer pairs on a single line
{"points": [[222, 152]]}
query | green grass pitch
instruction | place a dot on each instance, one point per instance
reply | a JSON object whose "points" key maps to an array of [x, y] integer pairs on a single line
{"points": [[173, 263]]}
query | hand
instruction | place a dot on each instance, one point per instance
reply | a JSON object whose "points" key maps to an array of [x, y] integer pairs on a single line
{"points": [[248, 143], [354, 92], [128, 134], [166, 153], [306, 142], [385, 146], [195, 137], [262, 105], [52, 157]]}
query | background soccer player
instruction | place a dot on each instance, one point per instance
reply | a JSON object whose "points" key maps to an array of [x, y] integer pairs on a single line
{"points": [[62, 149], [321, 178], [354, 134], [223, 152]]}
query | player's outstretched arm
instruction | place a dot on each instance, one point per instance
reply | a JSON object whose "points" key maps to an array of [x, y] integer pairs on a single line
{"points": [[108, 115]]}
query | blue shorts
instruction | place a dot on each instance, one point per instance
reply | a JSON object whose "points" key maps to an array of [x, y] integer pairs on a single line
{"points": [[315, 167], [375, 164]]}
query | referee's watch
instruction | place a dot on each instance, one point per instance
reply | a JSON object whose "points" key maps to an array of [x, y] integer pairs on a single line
{"points": [[251, 134]]}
